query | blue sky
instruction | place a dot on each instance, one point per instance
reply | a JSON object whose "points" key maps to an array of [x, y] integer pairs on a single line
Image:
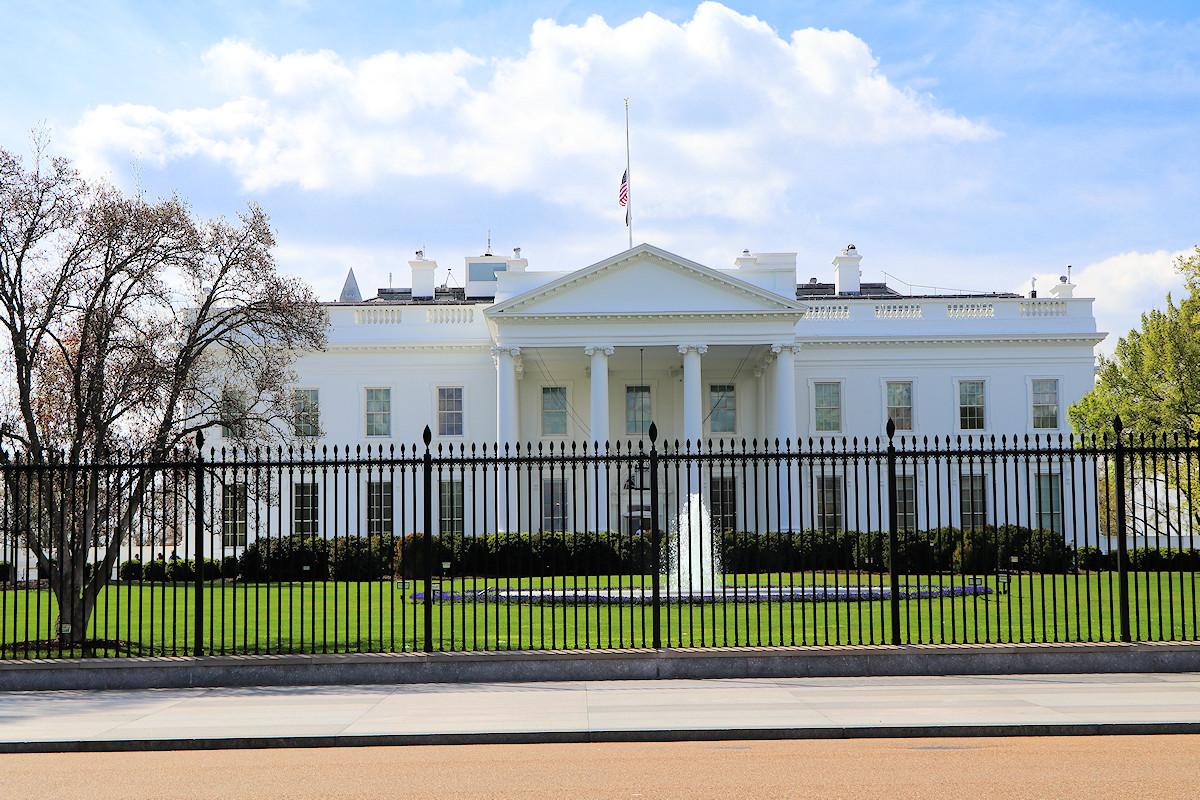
{"points": [[959, 145]]}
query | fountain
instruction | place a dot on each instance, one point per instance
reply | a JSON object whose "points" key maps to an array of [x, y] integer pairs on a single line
{"points": [[692, 571]]}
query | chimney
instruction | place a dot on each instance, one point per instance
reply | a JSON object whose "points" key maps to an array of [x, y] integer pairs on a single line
{"points": [[516, 263], [746, 260], [422, 276], [1064, 289], [847, 277]]}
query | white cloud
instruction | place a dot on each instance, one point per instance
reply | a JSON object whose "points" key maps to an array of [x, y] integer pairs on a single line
{"points": [[1125, 285], [727, 115]]}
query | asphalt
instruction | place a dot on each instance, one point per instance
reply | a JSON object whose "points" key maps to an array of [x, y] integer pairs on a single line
{"points": [[599, 711]]}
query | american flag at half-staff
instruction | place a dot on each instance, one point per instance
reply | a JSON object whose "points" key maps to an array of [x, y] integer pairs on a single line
{"points": [[624, 196]]}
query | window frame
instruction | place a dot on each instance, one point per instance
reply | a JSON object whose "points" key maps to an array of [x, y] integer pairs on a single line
{"points": [[445, 416], [815, 383], [1033, 404], [649, 410], [381, 519], [823, 515], [367, 412], [967, 473], [306, 498], [452, 506], [234, 503], [555, 515], [233, 400], [306, 413], [714, 399], [566, 416], [912, 403], [983, 405]]}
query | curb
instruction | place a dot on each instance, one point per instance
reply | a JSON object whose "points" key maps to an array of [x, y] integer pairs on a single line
{"points": [[596, 737], [597, 665]]}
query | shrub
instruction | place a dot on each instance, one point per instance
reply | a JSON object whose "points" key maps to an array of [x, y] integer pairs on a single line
{"points": [[285, 559], [7, 573], [130, 570], [229, 567], [180, 570], [1091, 558], [155, 570], [359, 558]]}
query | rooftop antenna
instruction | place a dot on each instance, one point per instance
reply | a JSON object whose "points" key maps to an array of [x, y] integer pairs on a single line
{"points": [[389, 279], [488, 252], [1068, 273]]}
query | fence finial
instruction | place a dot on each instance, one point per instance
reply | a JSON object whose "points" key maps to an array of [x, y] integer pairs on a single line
{"points": [[891, 428], [653, 433], [1117, 424], [427, 436], [199, 441]]}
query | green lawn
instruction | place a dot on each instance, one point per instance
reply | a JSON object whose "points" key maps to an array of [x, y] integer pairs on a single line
{"points": [[158, 619]]}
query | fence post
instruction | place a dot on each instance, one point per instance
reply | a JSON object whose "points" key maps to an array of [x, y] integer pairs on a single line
{"points": [[1122, 545], [427, 520], [198, 643], [893, 521], [655, 538]]}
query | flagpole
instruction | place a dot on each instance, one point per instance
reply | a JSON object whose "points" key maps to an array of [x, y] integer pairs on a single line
{"points": [[629, 200]]}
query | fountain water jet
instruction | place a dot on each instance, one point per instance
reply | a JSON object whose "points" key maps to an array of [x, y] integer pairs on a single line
{"points": [[692, 568]]}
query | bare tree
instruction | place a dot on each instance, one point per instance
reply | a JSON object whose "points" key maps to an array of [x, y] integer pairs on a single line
{"points": [[129, 325]]}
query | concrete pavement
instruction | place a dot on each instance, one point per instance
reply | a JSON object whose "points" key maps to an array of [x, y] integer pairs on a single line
{"points": [[598, 711]]}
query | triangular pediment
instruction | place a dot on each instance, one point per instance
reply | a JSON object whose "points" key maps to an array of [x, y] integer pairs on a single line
{"points": [[646, 280]]}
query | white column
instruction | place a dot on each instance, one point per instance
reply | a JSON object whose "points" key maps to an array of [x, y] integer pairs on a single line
{"points": [[785, 430], [507, 418], [599, 386], [693, 394], [785, 391]]}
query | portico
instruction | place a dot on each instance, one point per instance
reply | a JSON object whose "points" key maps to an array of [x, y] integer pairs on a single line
{"points": [[645, 336]]}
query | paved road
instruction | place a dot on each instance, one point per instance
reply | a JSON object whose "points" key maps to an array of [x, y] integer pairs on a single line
{"points": [[1094, 767]]}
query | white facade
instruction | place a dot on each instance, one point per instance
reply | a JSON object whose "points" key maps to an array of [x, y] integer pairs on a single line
{"points": [[537, 356]]}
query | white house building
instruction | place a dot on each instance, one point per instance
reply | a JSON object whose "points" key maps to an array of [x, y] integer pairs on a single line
{"points": [[594, 354]]}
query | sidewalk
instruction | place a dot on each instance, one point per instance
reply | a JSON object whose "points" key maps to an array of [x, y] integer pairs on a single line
{"points": [[656, 710]]}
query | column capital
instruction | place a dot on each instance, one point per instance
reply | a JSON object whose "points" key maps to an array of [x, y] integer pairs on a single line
{"points": [[791, 347], [593, 349], [498, 350], [684, 349]]}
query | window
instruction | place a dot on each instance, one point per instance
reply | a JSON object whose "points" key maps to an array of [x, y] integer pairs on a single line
{"points": [[233, 515], [450, 410], [829, 503], [379, 508], [970, 405], [637, 409], [723, 501], [1045, 404], [450, 516], [305, 508], [379, 412], [828, 406], [899, 404], [554, 411], [305, 413], [233, 414], [722, 408], [972, 501], [554, 505], [1049, 502], [906, 502]]}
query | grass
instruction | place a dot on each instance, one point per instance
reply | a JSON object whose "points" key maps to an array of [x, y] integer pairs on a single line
{"points": [[326, 616]]}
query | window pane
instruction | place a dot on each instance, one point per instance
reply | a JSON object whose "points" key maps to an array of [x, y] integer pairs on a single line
{"points": [[906, 502], [450, 411], [1045, 404], [970, 405], [828, 406], [305, 508], [450, 518], [637, 409], [1049, 502], [722, 408], [554, 505], [233, 515], [972, 501], [829, 503], [723, 498], [306, 413], [233, 414], [554, 410], [899, 402], [379, 412], [379, 508]]}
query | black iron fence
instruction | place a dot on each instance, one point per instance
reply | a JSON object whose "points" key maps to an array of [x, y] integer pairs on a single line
{"points": [[562, 546]]}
